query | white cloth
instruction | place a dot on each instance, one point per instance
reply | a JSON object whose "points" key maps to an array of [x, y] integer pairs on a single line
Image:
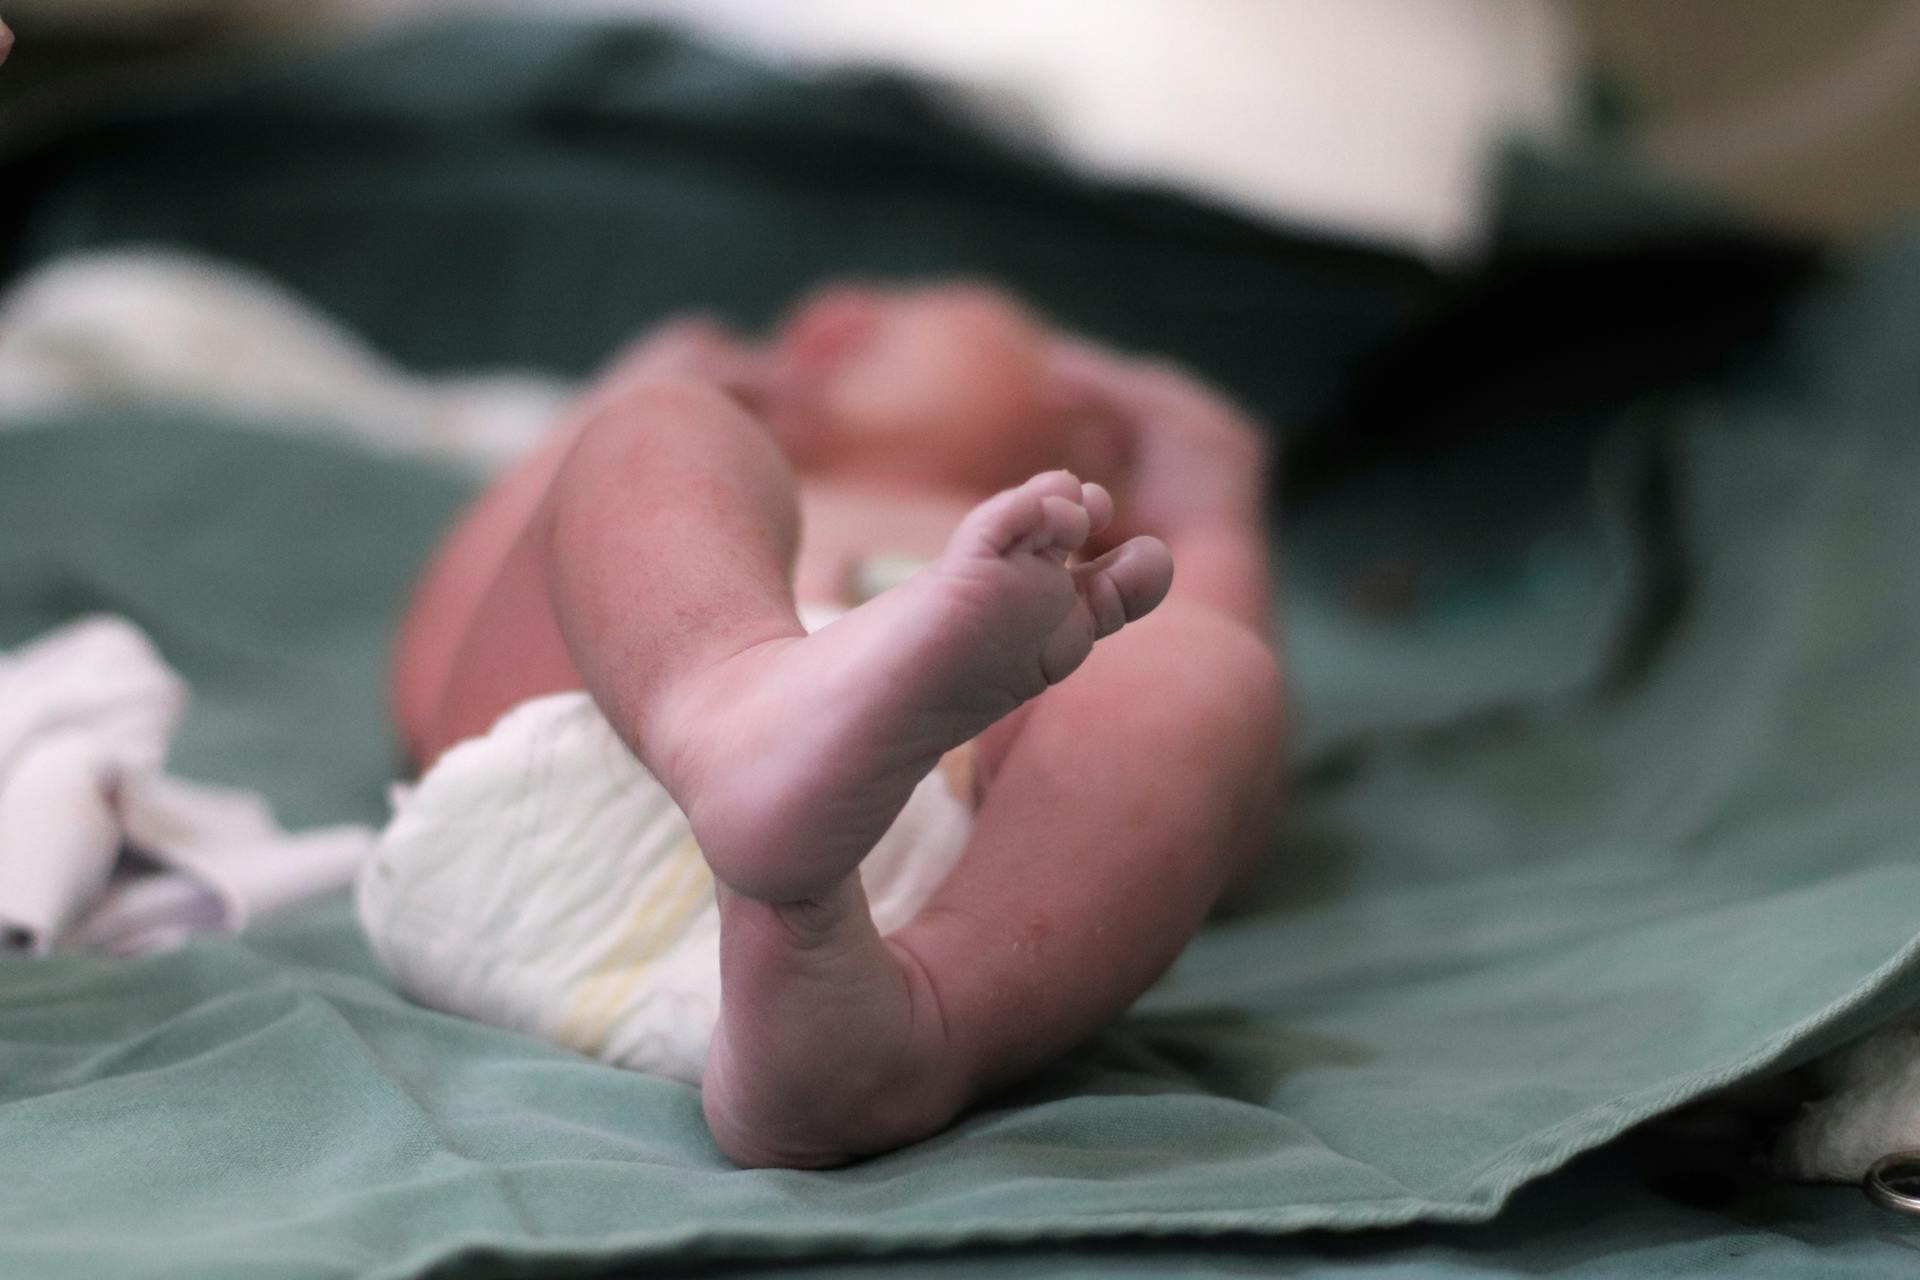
{"points": [[146, 326], [98, 846], [539, 878]]}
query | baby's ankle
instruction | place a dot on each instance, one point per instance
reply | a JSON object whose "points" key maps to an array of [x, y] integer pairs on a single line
{"points": [[798, 1114]]}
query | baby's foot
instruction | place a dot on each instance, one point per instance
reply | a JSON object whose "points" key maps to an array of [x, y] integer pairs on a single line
{"points": [[793, 756]]}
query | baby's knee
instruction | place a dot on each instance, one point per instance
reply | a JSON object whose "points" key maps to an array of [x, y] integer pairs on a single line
{"points": [[1220, 680], [1251, 684], [630, 426], [649, 450]]}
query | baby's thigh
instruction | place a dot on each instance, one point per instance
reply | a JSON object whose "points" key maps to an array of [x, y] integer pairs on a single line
{"points": [[1176, 722], [1115, 810], [467, 575]]}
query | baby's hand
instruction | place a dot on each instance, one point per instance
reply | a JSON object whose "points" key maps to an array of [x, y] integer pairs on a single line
{"points": [[1195, 459]]}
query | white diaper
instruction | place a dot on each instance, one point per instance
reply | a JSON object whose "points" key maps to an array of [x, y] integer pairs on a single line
{"points": [[540, 878]]}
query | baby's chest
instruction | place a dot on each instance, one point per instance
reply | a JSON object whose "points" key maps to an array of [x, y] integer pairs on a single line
{"points": [[855, 541]]}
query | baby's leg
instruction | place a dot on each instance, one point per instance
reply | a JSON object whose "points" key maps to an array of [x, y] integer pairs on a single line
{"points": [[1117, 807], [478, 636], [665, 541]]}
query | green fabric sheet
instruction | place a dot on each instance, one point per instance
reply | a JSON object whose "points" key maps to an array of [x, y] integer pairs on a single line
{"points": [[1612, 808]]}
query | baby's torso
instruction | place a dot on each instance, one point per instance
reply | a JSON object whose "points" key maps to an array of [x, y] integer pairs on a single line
{"points": [[855, 538]]}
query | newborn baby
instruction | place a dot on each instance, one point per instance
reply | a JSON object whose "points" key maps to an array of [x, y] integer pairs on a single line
{"points": [[1110, 726]]}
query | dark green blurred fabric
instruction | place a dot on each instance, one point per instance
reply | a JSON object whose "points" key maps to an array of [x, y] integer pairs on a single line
{"points": [[1604, 788], [535, 194]]}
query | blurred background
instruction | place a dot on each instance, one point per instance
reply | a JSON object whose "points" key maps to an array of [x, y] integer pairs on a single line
{"points": [[1370, 116], [1410, 235]]}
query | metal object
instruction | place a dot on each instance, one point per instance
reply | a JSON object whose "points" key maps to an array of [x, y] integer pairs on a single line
{"points": [[1894, 1181]]}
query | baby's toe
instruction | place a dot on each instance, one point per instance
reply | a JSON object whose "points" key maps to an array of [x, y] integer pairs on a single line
{"points": [[1042, 513], [1066, 528], [1099, 505], [1055, 484], [1127, 583]]}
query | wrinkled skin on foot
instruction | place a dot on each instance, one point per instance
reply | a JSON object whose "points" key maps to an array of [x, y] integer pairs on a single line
{"points": [[792, 757]]}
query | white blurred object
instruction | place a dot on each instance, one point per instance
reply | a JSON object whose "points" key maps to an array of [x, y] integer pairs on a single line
{"points": [[138, 326], [86, 715], [1869, 1106], [1374, 117], [1377, 118]]}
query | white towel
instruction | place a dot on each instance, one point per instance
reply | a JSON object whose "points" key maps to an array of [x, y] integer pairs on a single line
{"points": [[99, 847]]}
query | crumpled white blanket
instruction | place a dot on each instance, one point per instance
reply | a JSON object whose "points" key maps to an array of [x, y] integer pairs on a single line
{"points": [[99, 846]]}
